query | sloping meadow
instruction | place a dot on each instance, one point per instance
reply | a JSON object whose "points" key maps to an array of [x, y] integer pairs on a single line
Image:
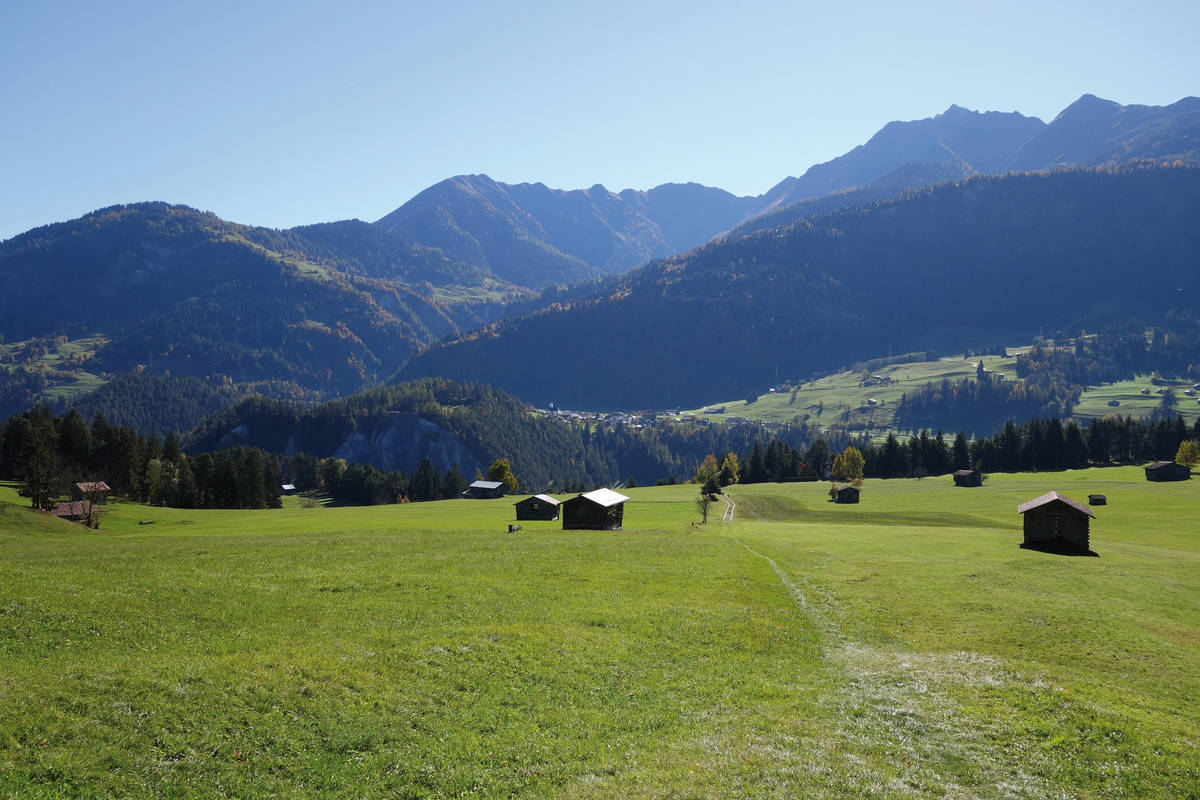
{"points": [[902, 647]]}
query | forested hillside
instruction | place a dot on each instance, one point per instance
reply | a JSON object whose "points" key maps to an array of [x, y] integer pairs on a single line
{"points": [[469, 426], [944, 267], [311, 313]]}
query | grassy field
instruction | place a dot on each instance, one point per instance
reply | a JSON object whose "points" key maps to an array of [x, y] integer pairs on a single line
{"points": [[841, 399], [1094, 402], [904, 647]]}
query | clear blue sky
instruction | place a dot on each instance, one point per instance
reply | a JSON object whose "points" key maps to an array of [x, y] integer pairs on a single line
{"points": [[288, 113]]}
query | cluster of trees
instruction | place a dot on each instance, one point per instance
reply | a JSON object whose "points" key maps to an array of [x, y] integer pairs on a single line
{"points": [[49, 454], [985, 401], [1121, 352]]}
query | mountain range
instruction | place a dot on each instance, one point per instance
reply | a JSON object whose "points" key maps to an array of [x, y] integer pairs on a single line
{"points": [[321, 310]]}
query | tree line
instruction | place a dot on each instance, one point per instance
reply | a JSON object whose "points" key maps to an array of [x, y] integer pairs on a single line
{"points": [[1039, 445]]}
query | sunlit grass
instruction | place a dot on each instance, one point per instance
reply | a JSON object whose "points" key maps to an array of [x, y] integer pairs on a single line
{"points": [[902, 647]]}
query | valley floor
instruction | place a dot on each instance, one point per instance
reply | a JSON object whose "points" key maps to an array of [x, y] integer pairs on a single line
{"points": [[902, 647]]}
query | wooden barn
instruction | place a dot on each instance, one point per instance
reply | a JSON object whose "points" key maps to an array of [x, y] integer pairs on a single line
{"points": [[92, 491], [1097, 499], [847, 494], [1056, 522], [1168, 471], [485, 490], [540, 506], [601, 510], [75, 511], [968, 477]]}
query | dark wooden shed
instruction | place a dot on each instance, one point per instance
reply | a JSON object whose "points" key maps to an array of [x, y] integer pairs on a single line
{"points": [[968, 477], [540, 506], [601, 510], [485, 490], [1168, 471], [1097, 499], [1056, 522], [847, 494]]}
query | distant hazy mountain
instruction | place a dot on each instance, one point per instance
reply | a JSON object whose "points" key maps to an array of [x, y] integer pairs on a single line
{"points": [[1092, 132], [972, 141], [535, 236], [948, 267]]}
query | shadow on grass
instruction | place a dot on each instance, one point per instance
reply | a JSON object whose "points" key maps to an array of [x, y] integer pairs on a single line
{"points": [[1059, 550]]}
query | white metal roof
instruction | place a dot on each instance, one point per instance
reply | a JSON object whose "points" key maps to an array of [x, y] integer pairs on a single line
{"points": [[605, 497], [545, 498], [486, 484]]}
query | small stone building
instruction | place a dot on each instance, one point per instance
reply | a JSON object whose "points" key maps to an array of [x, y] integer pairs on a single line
{"points": [[968, 477], [485, 490], [601, 510], [1167, 471], [1056, 522], [540, 506], [847, 494]]}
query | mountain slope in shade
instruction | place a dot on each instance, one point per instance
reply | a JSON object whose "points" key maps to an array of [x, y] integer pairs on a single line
{"points": [[950, 267]]}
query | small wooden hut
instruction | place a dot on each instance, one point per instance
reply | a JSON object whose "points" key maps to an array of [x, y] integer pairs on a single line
{"points": [[847, 494], [1097, 499], [1056, 522], [485, 490], [91, 491], [540, 506], [601, 510], [74, 510], [968, 477], [1167, 471]]}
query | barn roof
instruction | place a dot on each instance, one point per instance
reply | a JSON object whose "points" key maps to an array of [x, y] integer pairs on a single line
{"points": [[486, 484], [93, 486], [71, 508], [1050, 497], [545, 498], [605, 497], [1161, 464], [962, 473]]}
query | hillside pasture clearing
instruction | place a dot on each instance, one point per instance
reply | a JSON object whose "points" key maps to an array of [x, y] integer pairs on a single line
{"points": [[840, 399], [901, 647]]}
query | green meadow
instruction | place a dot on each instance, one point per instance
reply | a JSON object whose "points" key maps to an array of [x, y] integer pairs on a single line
{"points": [[840, 399], [903, 647]]}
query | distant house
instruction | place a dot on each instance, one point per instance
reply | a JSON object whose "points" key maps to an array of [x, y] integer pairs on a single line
{"points": [[601, 510], [1167, 471], [485, 490], [1097, 499], [968, 477], [847, 494], [92, 491], [540, 506], [74, 511], [1056, 522]]}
